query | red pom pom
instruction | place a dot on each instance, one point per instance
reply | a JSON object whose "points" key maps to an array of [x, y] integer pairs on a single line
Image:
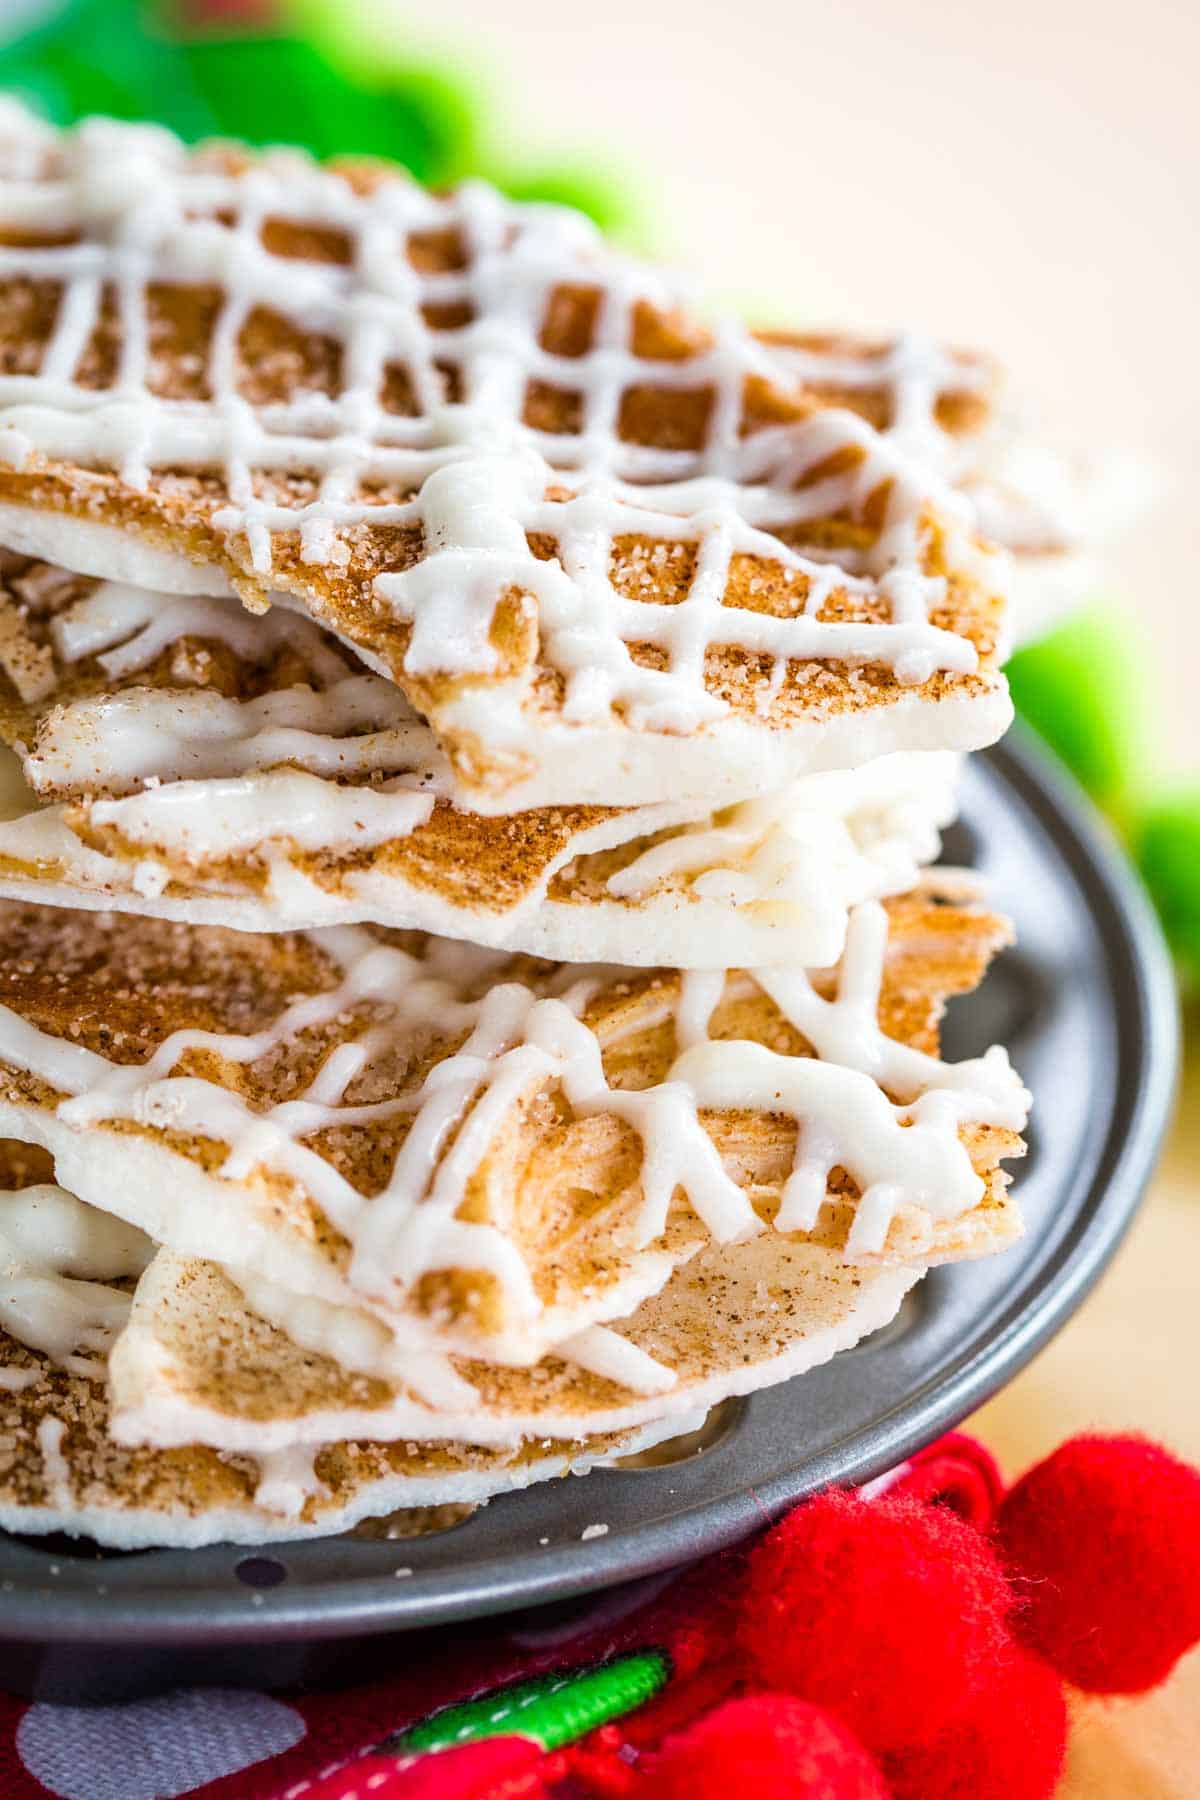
{"points": [[600, 1766], [767, 1746], [1008, 1745], [503, 1768], [1103, 1541], [956, 1471], [890, 1613]]}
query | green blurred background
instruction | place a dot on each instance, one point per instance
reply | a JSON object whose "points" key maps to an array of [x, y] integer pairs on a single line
{"points": [[320, 73]]}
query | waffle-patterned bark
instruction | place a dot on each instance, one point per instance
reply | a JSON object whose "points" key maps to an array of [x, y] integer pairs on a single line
{"points": [[506, 465]]}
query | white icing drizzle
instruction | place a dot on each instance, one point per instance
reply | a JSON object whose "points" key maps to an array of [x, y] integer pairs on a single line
{"points": [[845, 1030], [45, 1225], [127, 627], [478, 475], [613, 1357], [169, 735], [1051, 508], [63, 1319], [906, 1151], [913, 371], [357, 1341], [288, 1480], [16, 1381], [362, 1344], [817, 846], [700, 992], [211, 819], [56, 1470], [57, 1259], [338, 721]]}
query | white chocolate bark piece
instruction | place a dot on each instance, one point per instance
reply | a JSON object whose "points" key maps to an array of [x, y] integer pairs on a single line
{"points": [[602, 547], [187, 760], [495, 1155]]}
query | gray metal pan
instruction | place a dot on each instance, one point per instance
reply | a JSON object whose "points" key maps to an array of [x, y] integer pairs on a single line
{"points": [[1086, 1005]]}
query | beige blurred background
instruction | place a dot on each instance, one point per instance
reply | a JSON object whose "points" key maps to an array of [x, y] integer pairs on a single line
{"points": [[1025, 176]]}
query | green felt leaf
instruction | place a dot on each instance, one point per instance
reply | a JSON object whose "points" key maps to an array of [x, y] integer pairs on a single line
{"points": [[551, 1709], [1083, 688], [330, 77], [1166, 845], [117, 57], [443, 115], [285, 91], [280, 91], [103, 56], [444, 104]]}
